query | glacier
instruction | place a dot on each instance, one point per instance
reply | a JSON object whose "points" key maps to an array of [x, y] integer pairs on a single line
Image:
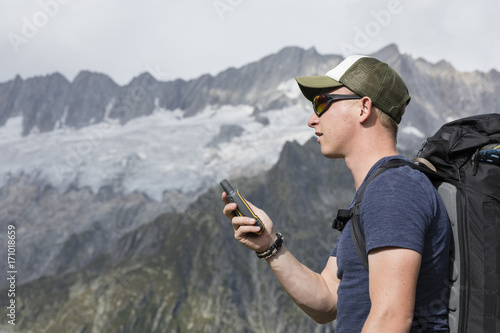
{"points": [[153, 154]]}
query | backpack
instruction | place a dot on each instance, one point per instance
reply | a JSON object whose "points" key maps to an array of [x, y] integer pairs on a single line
{"points": [[462, 159]]}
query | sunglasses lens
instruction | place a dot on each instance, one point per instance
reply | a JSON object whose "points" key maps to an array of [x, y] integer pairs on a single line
{"points": [[320, 104]]}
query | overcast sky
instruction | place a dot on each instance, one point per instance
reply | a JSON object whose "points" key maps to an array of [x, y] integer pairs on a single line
{"points": [[188, 38]]}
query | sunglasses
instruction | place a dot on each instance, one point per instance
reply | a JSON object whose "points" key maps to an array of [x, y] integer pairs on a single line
{"points": [[321, 103]]}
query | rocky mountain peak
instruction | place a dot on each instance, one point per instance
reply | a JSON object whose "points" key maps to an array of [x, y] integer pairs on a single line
{"points": [[88, 99], [52, 101]]}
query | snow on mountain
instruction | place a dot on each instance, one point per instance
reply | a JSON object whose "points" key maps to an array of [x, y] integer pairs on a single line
{"points": [[289, 87], [411, 130], [153, 154]]}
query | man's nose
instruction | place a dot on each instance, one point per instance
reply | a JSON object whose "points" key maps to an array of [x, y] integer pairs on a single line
{"points": [[313, 120]]}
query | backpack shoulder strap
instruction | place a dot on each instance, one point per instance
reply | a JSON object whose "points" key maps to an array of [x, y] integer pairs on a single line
{"points": [[354, 214]]}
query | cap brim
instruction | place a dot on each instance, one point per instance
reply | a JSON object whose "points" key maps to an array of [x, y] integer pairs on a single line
{"points": [[311, 86]]}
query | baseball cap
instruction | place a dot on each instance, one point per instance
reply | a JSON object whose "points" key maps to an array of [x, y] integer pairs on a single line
{"points": [[366, 76]]}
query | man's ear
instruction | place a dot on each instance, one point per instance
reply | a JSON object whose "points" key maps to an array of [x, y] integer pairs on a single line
{"points": [[366, 109]]}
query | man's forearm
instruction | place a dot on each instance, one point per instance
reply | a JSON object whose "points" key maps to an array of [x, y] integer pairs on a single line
{"points": [[308, 289]]}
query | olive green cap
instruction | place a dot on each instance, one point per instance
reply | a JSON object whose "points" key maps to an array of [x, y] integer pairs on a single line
{"points": [[366, 76]]}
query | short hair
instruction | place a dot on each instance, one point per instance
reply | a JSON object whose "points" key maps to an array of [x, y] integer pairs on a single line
{"points": [[388, 122]]}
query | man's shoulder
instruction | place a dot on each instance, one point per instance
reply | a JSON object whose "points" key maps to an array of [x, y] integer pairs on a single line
{"points": [[401, 189], [403, 177]]}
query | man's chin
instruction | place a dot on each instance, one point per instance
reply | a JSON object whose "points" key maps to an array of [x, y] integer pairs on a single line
{"points": [[330, 155]]}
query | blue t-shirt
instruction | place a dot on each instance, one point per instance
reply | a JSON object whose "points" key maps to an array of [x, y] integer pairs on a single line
{"points": [[400, 208]]}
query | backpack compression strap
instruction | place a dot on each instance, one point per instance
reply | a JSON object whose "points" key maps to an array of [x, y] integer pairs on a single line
{"points": [[354, 214]]}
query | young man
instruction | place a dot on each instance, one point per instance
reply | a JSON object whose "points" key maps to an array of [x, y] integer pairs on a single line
{"points": [[358, 106]]}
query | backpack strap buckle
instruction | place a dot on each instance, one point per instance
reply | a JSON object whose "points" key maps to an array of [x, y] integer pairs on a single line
{"points": [[343, 216]]}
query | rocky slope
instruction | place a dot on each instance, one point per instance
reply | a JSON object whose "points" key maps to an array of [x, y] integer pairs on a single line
{"points": [[186, 273]]}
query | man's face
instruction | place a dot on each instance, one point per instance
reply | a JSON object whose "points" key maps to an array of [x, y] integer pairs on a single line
{"points": [[334, 127]]}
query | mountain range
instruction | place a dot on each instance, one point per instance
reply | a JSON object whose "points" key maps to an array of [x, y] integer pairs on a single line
{"points": [[113, 189]]}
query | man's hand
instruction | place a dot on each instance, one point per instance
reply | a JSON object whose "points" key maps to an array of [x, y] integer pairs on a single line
{"points": [[315, 294], [244, 229]]}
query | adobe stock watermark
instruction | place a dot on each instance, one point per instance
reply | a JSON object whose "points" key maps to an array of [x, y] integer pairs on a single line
{"points": [[222, 7], [31, 26], [371, 29]]}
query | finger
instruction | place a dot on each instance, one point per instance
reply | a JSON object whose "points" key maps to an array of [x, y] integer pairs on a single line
{"points": [[243, 222], [229, 210], [245, 231], [224, 197]]}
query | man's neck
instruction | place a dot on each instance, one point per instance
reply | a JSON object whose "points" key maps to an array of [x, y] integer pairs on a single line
{"points": [[362, 161]]}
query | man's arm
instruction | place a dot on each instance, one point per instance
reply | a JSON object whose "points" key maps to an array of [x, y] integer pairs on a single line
{"points": [[314, 293], [393, 281]]}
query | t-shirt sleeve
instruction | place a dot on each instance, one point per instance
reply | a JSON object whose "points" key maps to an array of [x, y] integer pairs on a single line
{"points": [[334, 251], [396, 210]]}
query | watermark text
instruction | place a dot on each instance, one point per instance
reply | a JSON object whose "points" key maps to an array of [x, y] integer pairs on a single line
{"points": [[11, 274]]}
